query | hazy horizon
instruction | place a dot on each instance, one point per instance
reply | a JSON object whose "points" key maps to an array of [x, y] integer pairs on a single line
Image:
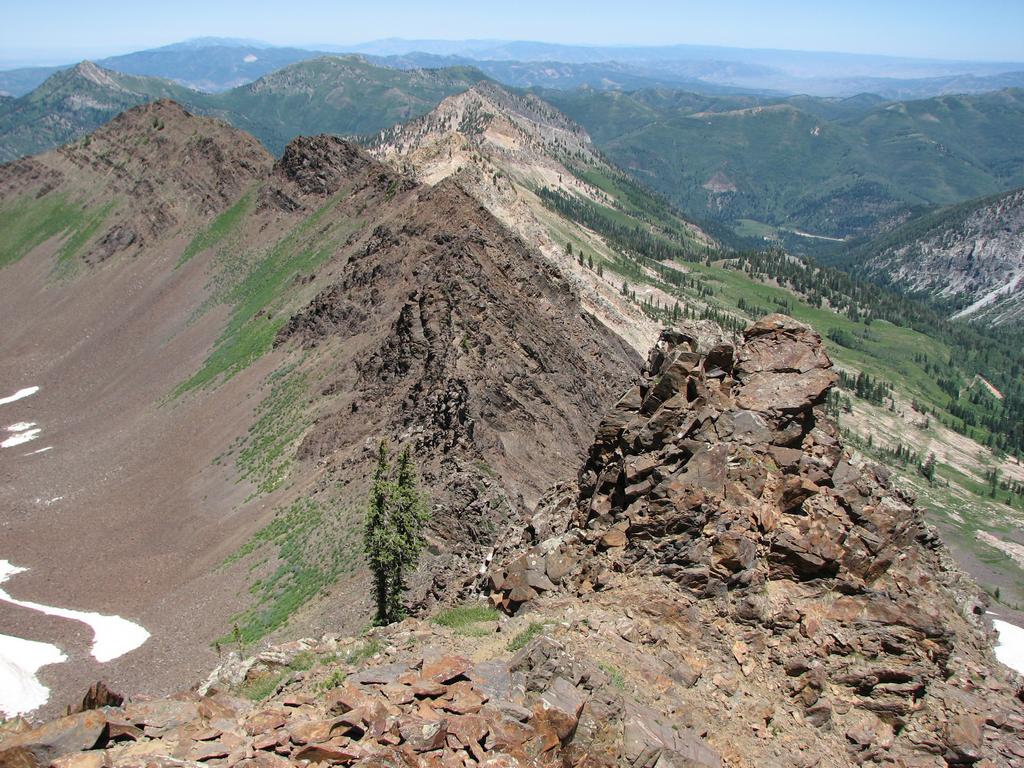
{"points": [[943, 30]]}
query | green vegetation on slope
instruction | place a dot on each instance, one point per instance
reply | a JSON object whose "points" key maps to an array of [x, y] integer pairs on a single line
{"points": [[305, 548], [264, 457], [220, 231], [26, 223], [801, 163], [260, 295], [885, 334]]}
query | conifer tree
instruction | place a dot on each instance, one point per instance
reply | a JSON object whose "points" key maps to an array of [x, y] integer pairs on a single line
{"points": [[410, 514], [928, 468], [392, 534]]}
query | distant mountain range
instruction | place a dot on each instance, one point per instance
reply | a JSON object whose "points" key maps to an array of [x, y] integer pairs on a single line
{"points": [[218, 64], [206, 64], [339, 95], [805, 170]]}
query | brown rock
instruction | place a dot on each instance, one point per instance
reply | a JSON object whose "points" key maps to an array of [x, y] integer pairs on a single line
{"points": [[93, 759], [42, 745], [423, 735], [264, 760], [614, 538], [447, 669], [163, 713], [345, 698], [557, 565], [207, 750], [427, 689], [558, 709], [463, 698], [334, 751], [310, 731], [265, 720], [781, 392], [98, 696]]}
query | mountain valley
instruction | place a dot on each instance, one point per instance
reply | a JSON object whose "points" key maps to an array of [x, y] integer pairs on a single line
{"points": [[716, 399]]}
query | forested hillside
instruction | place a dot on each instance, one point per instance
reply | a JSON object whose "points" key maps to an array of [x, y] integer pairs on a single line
{"points": [[798, 167]]}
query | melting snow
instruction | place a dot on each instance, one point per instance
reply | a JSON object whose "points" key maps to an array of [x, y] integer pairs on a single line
{"points": [[21, 426], [20, 690], [1010, 648], [18, 395], [112, 635], [41, 450], [21, 437]]}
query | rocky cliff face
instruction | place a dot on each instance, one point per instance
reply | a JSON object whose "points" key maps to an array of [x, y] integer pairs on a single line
{"points": [[815, 592], [449, 334], [973, 253]]}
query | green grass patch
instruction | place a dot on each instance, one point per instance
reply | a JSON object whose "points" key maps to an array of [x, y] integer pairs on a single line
{"points": [[367, 650], [221, 229], [79, 236], [614, 674], [27, 223], [332, 681], [265, 458], [261, 688], [259, 298], [466, 619], [751, 228], [524, 637], [303, 661], [312, 545]]}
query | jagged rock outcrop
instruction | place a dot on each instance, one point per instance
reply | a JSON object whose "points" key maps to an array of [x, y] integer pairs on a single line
{"points": [[718, 474], [722, 585]]}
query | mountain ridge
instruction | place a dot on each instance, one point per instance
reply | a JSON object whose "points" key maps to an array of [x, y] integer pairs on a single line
{"points": [[248, 308]]}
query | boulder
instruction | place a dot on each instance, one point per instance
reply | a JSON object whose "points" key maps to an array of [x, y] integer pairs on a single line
{"points": [[40, 746]]}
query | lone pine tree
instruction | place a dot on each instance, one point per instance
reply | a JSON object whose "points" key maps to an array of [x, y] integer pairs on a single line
{"points": [[393, 531]]}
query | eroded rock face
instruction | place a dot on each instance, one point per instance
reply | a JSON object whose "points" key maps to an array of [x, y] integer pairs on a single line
{"points": [[451, 335], [719, 473]]}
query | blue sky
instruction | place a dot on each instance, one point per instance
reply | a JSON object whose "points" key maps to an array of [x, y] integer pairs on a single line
{"points": [[951, 29]]}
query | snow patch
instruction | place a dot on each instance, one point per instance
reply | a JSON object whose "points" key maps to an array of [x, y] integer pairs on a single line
{"points": [[18, 395], [20, 660], [112, 635], [1010, 648], [250, 59], [20, 437], [21, 426], [41, 450]]}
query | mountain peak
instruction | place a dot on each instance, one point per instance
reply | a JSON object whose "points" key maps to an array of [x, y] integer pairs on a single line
{"points": [[96, 74], [318, 165], [489, 116]]}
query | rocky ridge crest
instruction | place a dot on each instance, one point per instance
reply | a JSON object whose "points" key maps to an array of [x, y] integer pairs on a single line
{"points": [[719, 474]]}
